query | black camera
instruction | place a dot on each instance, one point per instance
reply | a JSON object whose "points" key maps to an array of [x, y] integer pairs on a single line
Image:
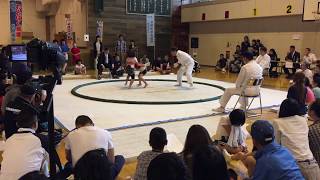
{"points": [[47, 55]]}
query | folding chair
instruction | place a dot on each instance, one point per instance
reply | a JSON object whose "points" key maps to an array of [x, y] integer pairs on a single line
{"points": [[250, 83]]}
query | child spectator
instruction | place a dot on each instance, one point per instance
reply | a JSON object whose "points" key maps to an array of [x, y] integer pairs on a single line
{"points": [[316, 85], [80, 68], [310, 98], [75, 51], [230, 130], [157, 140], [222, 63]]}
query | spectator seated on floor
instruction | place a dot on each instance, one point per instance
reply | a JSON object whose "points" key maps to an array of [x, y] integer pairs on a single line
{"points": [[316, 85], [13, 91], [197, 137], [94, 165], [165, 67], [306, 71], [245, 44], [157, 140], [209, 164], [235, 65], [298, 91], [157, 64], [117, 69], [314, 129], [271, 160], [23, 152], [222, 63], [291, 131], [166, 166], [310, 97], [80, 69], [87, 137], [76, 53], [23, 101], [231, 133]]}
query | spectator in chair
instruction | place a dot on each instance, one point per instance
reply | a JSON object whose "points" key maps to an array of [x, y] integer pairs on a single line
{"points": [[23, 152], [314, 129], [294, 57], [197, 137], [251, 70], [298, 91], [274, 57], [87, 137], [291, 131], [309, 57], [222, 63], [166, 166], [157, 140], [209, 164], [264, 59], [231, 131], [271, 161], [316, 85]]}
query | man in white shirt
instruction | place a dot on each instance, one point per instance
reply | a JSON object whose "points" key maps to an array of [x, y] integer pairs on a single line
{"points": [[23, 152], [263, 59], [86, 137], [251, 70], [291, 131], [309, 57], [186, 64], [307, 72]]}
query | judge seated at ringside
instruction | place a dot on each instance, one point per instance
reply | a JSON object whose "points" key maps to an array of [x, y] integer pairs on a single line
{"points": [[251, 70]]}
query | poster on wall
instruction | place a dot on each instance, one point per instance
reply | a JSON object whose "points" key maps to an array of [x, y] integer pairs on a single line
{"points": [[69, 27], [150, 30], [16, 21], [99, 29]]}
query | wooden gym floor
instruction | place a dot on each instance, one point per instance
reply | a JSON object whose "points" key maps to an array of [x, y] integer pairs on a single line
{"points": [[280, 83]]}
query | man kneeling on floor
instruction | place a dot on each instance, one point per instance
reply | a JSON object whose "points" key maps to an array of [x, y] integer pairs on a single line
{"points": [[251, 70], [86, 137]]}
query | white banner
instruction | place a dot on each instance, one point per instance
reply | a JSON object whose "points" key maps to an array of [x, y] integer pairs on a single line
{"points": [[150, 29], [100, 28]]}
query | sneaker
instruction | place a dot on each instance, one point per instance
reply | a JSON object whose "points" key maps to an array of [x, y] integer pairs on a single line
{"points": [[178, 85], [219, 109]]}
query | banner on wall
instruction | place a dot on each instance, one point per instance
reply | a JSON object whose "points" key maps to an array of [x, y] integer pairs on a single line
{"points": [[99, 29], [150, 29], [16, 20], [69, 27]]}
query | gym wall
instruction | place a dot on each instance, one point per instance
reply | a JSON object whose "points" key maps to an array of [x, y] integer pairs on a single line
{"points": [[276, 30]]}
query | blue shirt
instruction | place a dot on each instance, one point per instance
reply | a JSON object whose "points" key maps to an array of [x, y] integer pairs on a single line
{"points": [[64, 48], [275, 162]]}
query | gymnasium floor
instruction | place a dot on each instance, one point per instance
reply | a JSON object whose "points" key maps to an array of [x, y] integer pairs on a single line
{"points": [[132, 141]]}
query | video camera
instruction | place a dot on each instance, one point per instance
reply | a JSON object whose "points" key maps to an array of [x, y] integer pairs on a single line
{"points": [[47, 56]]}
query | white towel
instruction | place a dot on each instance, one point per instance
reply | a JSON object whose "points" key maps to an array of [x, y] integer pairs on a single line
{"points": [[237, 137]]}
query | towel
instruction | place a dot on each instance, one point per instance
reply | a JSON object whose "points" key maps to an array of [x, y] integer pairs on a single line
{"points": [[237, 137]]}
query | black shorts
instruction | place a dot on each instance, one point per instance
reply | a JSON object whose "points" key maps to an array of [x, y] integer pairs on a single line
{"points": [[130, 72], [144, 72]]}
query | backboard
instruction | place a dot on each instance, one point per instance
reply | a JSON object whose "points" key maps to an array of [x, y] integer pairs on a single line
{"points": [[311, 10]]}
